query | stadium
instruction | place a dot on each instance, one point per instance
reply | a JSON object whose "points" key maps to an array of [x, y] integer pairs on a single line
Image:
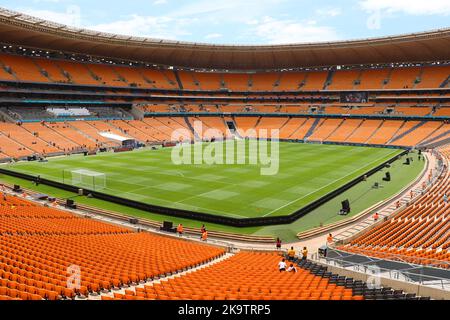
{"points": [[135, 168]]}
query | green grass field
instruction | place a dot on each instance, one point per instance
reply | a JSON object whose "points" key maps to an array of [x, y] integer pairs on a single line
{"points": [[306, 173], [361, 196]]}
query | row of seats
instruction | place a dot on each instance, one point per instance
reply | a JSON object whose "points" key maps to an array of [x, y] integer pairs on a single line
{"points": [[244, 276], [19, 141], [34, 69], [391, 132], [396, 110], [42, 247]]}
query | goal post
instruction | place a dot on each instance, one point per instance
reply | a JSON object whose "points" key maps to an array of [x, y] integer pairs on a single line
{"points": [[89, 179]]}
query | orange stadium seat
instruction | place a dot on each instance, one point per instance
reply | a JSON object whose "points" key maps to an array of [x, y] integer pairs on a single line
{"points": [[51, 240], [25, 69], [54, 72], [264, 81], [403, 78], [245, 276], [107, 75], [315, 81], [365, 131], [373, 79], [291, 81], [236, 81], [433, 77], [78, 73], [209, 81], [344, 80]]}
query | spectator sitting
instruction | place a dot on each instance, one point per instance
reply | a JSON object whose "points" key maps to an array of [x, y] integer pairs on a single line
{"points": [[282, 265], [292, 268]]}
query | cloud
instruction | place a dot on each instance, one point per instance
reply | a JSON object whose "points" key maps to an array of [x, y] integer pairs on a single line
{"points": [[71, 17], [226, 11], [251, 21], [39, 1], [276, 31], [329, 12], [411, 7], [213, 36], [146, 26]]}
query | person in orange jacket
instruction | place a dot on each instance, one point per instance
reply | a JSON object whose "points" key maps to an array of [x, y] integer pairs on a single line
{"points": [[205, 235], [330, 239], [180, 230]]}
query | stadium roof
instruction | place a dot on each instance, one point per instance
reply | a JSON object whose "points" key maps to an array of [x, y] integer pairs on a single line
{"points": [[25, 30]]}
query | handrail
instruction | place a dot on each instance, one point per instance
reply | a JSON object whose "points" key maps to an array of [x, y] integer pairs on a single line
{"points": [[296, 115], [401, 275], [398, 257]]}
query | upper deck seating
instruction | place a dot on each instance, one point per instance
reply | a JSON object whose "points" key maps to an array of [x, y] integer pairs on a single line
{"points": [[344, 80], [24, 68]]}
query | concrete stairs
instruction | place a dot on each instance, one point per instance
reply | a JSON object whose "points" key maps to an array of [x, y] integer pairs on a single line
{"points": [[312, 129]]}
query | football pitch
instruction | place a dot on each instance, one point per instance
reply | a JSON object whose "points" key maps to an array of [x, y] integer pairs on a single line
{"points": [[306, 173]]}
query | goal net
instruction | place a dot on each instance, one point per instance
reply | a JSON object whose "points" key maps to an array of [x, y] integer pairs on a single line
{"points": [[88, 179]]}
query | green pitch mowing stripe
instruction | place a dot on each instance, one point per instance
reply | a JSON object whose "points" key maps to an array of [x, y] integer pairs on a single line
{"points": [[361, 196], [306, 173]]}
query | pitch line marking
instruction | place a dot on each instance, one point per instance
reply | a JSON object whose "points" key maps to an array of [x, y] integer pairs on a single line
{"points": [[293, 201]]}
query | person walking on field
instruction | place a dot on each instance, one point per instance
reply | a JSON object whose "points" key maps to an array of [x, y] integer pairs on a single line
{"points": [[330, 239], [278, 243]]}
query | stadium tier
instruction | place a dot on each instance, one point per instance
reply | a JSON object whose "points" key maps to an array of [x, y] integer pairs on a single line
{"points": [[109, 256], [110, 123], [245, 276], [54, 138], [42, 70]]}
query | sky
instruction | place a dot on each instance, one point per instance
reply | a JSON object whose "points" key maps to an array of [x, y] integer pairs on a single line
{"points": [[244, 21]]}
